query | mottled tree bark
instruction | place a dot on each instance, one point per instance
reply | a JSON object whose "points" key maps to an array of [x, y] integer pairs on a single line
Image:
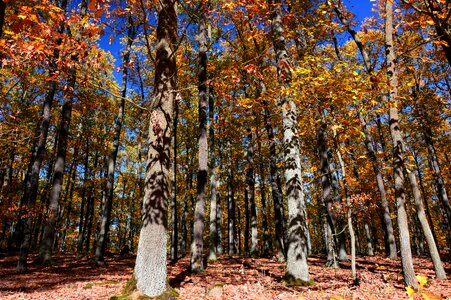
{"points": [[297, 266], [398, 152], [150, 268], [199, 213]]}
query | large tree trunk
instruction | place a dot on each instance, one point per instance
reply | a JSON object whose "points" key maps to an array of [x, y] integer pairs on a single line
{"points": [[398, 152], [297, 266], [150, 268], [199, 213], [105, 217], [403, 226]]}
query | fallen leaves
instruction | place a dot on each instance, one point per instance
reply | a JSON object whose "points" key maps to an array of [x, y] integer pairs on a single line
{"points": [[228, 278]]}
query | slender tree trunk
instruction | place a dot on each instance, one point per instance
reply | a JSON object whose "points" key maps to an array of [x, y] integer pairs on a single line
{"points": [[266, 235], [352, 234], [433, 251], [369, 243], [297, 266], [68, 209], [80, 237], [214, 228], [425, 200], [250, 178], [230, 212], [389, 237], [91, 206], [174, 223], [340, 238], [105, 217], [247, 221], [199, 213], [45, 250], [326, 190], [150, 268], [435, 166]]}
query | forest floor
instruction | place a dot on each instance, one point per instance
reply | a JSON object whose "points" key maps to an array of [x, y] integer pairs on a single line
{"points": [[227, 278]]}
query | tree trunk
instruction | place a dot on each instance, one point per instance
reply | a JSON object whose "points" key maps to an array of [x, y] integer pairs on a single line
{"points": [[433, 251], [425, 200], [214, 228], [199, 213], [435, 166], [349, 208], [404, 236], [389, 237], [340, 238], [266, 235], [250, 177], [150, 268], [326, 201], [108, 200], [230, 212], [2, 16], [398, 152], [297, 266], [174, 223]]}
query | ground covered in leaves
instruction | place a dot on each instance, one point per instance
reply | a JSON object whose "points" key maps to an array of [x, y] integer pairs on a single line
{"points": [[227, 278]]}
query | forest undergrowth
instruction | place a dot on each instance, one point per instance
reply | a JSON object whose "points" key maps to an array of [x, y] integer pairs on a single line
{"points": [[228, 278]]}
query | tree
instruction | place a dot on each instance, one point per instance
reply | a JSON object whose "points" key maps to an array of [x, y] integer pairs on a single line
{"points": [[398, 151], [199, 212], [297, 266], [150, 268]]}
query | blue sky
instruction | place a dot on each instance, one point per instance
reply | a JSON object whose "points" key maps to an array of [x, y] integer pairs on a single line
{"points": [[361, 9]]}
